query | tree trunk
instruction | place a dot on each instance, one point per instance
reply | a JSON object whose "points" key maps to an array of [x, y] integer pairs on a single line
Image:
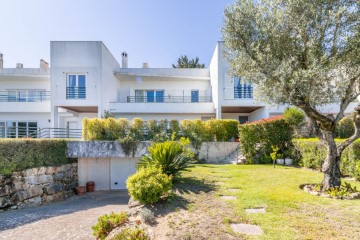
{"points": [[331, 166]]}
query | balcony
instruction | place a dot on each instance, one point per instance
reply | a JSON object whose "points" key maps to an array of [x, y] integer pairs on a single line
{"points": [[13, 101], [28, 95], [25, 71], [169, 99], [75, 92]]}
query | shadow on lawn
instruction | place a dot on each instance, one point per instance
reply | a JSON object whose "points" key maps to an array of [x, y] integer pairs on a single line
{"points": [[181, 187]]}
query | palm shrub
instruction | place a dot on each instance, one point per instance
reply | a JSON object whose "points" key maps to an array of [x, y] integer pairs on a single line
{"points": [[149, 184], [170, 156]]}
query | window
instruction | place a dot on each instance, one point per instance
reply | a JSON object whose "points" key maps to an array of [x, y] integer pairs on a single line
{"points": [[149, 95], [242, 89], [13, 129], [76, 86], [194, 95]]}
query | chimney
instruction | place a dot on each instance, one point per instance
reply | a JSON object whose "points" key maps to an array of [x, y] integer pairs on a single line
{"points": [[1, 60], [44, 64], [145, 65], [124, 58], [19, 65]]}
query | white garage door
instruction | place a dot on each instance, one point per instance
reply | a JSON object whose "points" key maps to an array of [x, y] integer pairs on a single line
{"points": [[120, 170]]}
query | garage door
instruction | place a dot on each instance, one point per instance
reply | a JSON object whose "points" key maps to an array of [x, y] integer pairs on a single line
{"points": [[120, 170]]}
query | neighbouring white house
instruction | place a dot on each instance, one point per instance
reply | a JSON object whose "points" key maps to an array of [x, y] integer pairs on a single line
{"points": [[85, 80]]}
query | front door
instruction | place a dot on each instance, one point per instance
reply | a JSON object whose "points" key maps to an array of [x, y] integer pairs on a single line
{"points": [[243, 119]]}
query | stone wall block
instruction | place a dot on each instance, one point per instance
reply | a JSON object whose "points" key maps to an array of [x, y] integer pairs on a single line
{"points": [[32, 180], [35, 201], [35, 191], [58, 176], [71, 186], [51, 170], [55, 197], [20, 196], [65, 167], [41, 170], [5, 202], [46, 179], [53, 188]]}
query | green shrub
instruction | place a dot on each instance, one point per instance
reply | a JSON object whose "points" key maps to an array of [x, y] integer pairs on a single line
{"points": [[107, 223], [174, 127], [312, 153], [170, 156], [131, 234], [195, 130], [257, 139], [295, 117], [345, 128], [137, 128], [149, 184], [21, 154]]}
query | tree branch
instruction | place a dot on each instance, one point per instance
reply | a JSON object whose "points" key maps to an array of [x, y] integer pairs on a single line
{"points": [[347, 98], [356, 135]]}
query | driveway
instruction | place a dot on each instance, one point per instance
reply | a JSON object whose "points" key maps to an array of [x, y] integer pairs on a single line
{"points": [[69, 219]]}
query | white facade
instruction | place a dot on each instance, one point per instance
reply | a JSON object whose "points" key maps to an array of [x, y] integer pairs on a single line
{"points": [[85, 80]]}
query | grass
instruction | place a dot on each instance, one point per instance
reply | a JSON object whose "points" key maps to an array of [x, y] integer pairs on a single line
{"points": [[291, 213]]}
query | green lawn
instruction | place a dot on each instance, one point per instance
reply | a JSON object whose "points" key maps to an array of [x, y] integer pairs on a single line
{"points": [[291, 213]]}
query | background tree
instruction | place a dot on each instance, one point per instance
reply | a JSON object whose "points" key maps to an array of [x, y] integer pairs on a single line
{"points": [[304, 53], [184, 62]]}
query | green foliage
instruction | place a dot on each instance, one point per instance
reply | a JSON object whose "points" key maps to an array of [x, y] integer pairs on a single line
{"points": [[184, 62], [345, 128], [196, 130], [107, 223], [149, 184], [131, 234], [258, 139], [170, 156], [129, 144], [174, 127], [312, 153], [137, 128], [342, 191], [107, 114], [21, 154], [295, 117]]}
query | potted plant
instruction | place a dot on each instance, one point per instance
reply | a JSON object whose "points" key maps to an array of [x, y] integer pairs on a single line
{"points": [[277, 156], [288, 159], [280, 159]]}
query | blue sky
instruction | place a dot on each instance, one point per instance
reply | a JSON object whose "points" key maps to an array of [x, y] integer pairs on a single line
{"points": [[153, 31]]}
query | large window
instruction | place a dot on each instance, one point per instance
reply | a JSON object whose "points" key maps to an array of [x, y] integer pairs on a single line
{"points": [[76, 86], [18, 129], [149, 95], [242, 89]]}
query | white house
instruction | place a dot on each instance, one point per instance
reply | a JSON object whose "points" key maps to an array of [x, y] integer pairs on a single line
{"points": [[85, 79]]}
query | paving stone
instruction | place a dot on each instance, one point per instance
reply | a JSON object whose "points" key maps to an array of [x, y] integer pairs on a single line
{"points": [[228, 197], [255, 210], [247, 229]]}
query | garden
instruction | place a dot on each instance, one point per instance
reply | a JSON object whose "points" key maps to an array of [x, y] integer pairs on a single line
{"points": [[175, 196]]}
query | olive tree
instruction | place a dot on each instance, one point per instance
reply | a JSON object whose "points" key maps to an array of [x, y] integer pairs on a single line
{"points": [[303, 53]]}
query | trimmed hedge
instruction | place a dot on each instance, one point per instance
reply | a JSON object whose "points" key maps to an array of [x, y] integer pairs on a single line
{"points": [[21, 154], [312, 153], [258, 138], [196, 130]]}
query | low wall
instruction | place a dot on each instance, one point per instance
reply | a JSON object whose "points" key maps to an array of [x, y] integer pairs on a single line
{"points": [[217, 152], [36, 186], [212, 152]]}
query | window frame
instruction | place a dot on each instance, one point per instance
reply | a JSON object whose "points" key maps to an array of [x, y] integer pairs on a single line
{"points": [[76, 94]]}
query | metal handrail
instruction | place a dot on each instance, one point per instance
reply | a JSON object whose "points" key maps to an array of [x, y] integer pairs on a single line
{"points": [[245, 91], [75, 92], [23, 132], [26, 95], [169, 99]]}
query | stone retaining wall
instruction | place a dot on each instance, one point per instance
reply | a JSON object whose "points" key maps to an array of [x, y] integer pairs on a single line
{"points": [[36, 186]]}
